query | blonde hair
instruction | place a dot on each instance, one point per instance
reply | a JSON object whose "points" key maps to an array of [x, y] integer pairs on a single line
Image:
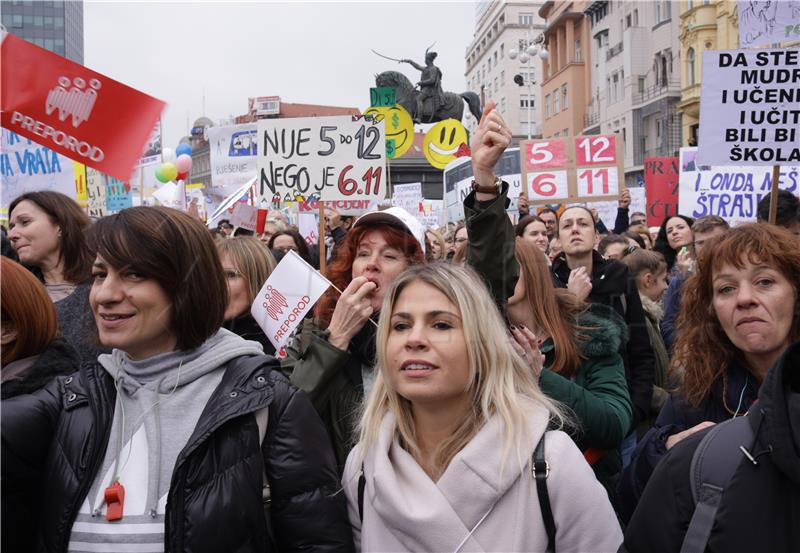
{"points": [[499, 379], [437, 236], [251, 258]]}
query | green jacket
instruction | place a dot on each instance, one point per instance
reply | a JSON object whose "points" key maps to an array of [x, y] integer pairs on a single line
{"points": [[598, 392]]}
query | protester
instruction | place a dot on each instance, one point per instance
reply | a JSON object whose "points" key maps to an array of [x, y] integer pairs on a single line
{"points": [[7, 249], [449, 430], [333, 362], [459, 238], [703, 230], [649, 269], [226, 227], [758, 510], [787, 213], [434, 245], [635, 240], [172, 413], [583, 369], [739, 313], [585, 273], [644, 235], [32, 351], [47, 229], [554, 249], [638, 219], [460, 257], [532, 229], [550, 218], [271, 226], [614, 246], [246, 265], [673, 242], [289, 239]]}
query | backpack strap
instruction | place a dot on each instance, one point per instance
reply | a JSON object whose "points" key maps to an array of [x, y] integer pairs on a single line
{"points": [[714, 463], [541, 470], [362, 482]]}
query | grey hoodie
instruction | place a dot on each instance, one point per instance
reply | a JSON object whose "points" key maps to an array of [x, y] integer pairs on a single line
{"points": [[159, 401]]}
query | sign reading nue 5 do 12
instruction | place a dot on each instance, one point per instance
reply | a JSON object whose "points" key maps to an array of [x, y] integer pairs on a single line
{"points": [[338, 158], [575, 169]]}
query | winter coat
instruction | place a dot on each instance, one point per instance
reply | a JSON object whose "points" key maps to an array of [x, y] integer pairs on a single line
{"points": [[56, 359], [672, 307], [598, 393], [676, 416], [653, 313], [333, 379], [612, 285], [246, 326], [760, 508], [55, 440], [404, 510]]}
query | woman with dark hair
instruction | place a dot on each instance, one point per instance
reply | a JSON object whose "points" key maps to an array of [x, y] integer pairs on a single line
{"points": [[247, 265], [177, 432], [289, 239], [47, 230], [333, 358], [32, 351], [674, 242], [739, 312], [532, 229]]}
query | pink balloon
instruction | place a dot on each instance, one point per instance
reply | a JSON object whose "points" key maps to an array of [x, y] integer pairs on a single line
{"points": [[184, 163]]}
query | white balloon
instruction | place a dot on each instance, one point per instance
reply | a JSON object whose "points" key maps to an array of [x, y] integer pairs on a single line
{"points": [[168, 155]]}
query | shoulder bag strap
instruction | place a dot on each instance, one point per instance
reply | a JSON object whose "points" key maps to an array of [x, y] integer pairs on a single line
{"points": [[541, 470]]}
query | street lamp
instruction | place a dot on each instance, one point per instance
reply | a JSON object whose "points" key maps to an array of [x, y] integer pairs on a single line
{"points": [[525, 57]]}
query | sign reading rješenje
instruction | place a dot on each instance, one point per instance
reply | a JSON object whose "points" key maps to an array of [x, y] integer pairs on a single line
{"points": [[575, 169], [457, 176], [730, 192], [766, 22], [73, 110], [339, 158], [28, 167], [750, 108], [233, 157], [290, 292]]}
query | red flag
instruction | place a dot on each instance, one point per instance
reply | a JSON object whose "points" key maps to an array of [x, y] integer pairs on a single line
{"points": [[73, 110]]}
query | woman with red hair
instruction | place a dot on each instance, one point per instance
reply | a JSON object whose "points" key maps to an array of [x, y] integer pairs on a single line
{"points": [[32, 351]]}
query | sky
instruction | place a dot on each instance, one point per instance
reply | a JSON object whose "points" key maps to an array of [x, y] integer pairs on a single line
{"points": [[304, 52]]}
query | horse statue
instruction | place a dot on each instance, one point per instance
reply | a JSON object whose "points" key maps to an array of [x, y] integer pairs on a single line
{"points": [[451, 106]]}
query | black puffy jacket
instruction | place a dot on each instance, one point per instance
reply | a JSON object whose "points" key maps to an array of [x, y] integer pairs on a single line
{"points": [[54, 441]]}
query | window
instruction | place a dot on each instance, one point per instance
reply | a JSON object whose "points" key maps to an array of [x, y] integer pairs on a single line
{"points": [[615, 87], [526, 19], [628, 21], [27, 20], [635, 18], [16, 21], [48, 22], [503, 104], [565, 133], [502, 78], [496, 88], [690, 65], [38, 20], [547, 106], [495, 58], [658, 128], [502, 48], [641, 85], [578, 55], [658, 11], [564, 99], [556, 97], [59, 49], [608, 89], [523, 43], [49, 44], [690, 4], [527, 102]]}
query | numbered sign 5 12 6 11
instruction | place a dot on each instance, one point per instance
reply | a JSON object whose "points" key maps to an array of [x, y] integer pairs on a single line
{"points": [[338, 158]]}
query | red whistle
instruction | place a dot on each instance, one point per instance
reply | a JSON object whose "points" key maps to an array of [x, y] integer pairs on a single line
{"points": [[115, 500]]}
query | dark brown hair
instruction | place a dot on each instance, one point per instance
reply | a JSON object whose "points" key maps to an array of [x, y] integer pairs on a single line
{"points": [[176, 251], [699, 329], [65, 212], [299, 242], [25, 305], [525, 221]]}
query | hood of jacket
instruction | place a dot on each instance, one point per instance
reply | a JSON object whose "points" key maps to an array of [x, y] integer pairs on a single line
{"points": [[653, 310], [601, 331], [779, 401]]}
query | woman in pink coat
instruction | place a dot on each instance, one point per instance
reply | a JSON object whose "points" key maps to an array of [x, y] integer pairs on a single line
{"points": [[447, 438]]}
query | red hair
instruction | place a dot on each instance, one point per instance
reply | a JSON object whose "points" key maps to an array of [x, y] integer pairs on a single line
{"points": [[340, 270], [26, 306]]}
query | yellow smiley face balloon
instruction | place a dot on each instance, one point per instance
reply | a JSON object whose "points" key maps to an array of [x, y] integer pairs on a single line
{"points": [[399, 127], [442, 142]]}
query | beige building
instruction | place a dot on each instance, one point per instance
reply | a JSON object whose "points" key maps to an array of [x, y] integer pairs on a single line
{"points": [[501, 27], [705, 25]]}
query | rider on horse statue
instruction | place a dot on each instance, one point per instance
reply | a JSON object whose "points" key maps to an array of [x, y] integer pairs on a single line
{"points": [[431, 95]]}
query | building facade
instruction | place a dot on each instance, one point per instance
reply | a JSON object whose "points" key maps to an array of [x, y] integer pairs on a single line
{"points": [[705, 25], [56, 25], [500, 27]]}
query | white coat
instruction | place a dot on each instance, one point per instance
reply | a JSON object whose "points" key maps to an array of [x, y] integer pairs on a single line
{"points": [[474, 506]]}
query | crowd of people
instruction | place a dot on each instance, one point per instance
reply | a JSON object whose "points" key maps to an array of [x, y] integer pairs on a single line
{"points": [[549, 386]]}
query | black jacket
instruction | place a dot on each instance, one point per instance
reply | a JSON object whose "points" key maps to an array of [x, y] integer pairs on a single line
{"points": [[54, 442], [246, 326], [760, 508], [613, 286], [56, 359]]}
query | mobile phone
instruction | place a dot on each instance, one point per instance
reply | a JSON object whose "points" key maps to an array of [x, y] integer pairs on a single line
{"points": [[685, 249]]}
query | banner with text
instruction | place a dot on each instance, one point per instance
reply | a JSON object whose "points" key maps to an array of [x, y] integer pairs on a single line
{"points": [[233, 157], [73, 110], [730, 192], [339, 158], [607, 211], [661, 180], [750, 108], [766, 22]]}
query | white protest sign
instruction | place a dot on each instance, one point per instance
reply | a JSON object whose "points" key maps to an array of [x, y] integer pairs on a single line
{"points": [[172, 195], [289, 293], [430, 213], [152, 150], [339, 158], [25, 166], [608, 210], [457, 177], [245, 216], [766, 22], [308, 228], [408, 196], [730, 192], [228, 202], [96, 192], [750, 107], [233, 157]]}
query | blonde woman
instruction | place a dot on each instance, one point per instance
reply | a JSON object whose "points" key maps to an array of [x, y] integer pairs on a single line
{"points": [[246, 264], [449, 431]]}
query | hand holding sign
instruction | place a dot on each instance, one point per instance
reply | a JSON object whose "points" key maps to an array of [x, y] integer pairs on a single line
{"points": [[490, 140]]}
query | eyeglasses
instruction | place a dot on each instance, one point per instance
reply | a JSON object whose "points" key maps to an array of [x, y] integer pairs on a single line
{"points": [[231, 274]]}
